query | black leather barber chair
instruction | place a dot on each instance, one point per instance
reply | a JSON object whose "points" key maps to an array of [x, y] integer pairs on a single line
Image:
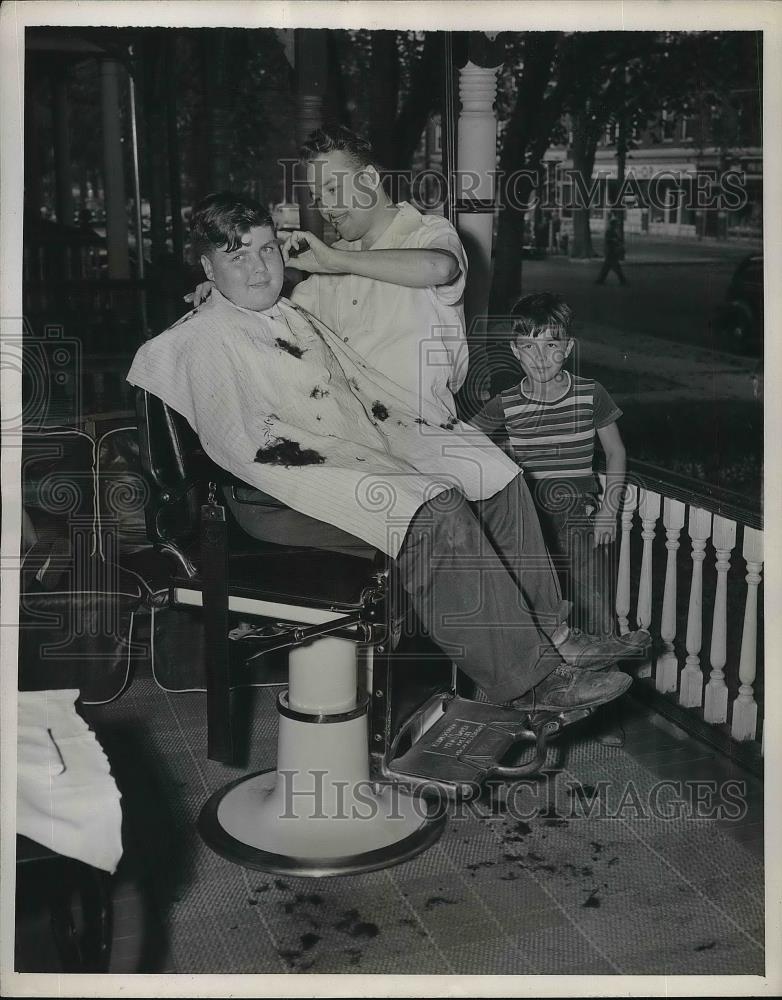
{"points": [[374, 734]]}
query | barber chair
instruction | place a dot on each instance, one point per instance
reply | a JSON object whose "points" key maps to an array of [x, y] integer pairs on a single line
{"points": [[375, 734]]}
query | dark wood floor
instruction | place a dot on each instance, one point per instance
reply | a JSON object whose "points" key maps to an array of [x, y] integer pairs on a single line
{"points": [[668, 751]]}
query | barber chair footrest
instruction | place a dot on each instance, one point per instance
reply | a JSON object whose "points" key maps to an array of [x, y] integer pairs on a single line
{"points": [[464, 747]]}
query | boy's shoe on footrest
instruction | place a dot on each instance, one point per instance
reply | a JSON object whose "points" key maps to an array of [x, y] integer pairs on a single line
{"points": [[566, 688], [589, 652]]}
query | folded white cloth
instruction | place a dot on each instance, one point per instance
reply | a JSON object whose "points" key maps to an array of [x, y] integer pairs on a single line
{"points": [[66, 797]]}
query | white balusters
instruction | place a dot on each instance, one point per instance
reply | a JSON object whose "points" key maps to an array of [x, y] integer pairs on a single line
{"points": [[691, 690], [623, 577], [745, 709], [702, 526], [649, 511], [715, 703], [667, 673]]}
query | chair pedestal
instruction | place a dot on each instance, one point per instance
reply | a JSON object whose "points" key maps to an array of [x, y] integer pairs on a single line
{"points": [[319, 813]]}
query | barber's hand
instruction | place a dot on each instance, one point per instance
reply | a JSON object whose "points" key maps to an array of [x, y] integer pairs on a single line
{"points": [[604, 527], [201, 294], [304, 251]]}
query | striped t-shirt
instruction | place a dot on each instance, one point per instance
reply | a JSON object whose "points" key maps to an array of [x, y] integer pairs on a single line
{"points": [[552, 440]]}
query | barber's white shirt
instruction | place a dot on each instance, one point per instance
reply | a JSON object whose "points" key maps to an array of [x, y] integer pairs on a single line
{"points": [[414, 336]]}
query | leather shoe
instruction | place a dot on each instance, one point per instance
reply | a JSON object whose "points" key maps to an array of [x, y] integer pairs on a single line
{"points": [[567, 688], [588, 652]]}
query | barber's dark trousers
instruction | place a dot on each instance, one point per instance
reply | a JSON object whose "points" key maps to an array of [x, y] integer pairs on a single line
{"points": [[483, 586]]}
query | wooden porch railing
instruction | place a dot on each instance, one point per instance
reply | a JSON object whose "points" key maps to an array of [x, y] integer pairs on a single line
{"points": [[680, 584]]}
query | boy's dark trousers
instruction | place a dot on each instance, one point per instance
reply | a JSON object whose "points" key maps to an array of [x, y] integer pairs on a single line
{"points": [[587, 573]]}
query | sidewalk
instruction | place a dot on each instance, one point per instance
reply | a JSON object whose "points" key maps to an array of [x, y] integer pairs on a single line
{"points": [[655, 370], [687, 408], [653, 249]]}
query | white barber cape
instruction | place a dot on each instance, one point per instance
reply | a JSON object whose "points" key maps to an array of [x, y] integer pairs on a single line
{"points": [[279, 401]]}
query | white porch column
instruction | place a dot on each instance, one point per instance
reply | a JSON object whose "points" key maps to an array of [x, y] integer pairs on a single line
{"points": [[476, 161], [114, 171]]}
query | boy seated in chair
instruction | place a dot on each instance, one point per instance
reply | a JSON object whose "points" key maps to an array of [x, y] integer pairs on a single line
{"points": [[281, 403]]}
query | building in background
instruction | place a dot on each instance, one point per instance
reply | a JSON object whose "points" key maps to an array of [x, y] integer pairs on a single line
{"points": [[674, 174]]}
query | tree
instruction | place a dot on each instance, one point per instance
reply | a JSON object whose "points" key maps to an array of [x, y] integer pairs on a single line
{"points": [[602, 78], [405, 70], [534, 91], [151, 73]]}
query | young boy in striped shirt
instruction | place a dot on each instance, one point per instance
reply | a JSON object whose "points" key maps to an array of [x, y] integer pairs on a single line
{"points": [[548, 422]]}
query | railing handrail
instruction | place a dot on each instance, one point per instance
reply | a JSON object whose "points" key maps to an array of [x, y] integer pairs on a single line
{"points": [[734, 506]]}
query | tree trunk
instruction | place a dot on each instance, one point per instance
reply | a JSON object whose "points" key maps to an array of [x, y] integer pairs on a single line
{"points": [[312, 76], [507, 261], [583, 152], [621, 145], [196, 154], [335, 97], [525, 141], [506, 287], [218, 103], [174, 165], [153, 81], [423, 98], [384, 71], [156, 178]]}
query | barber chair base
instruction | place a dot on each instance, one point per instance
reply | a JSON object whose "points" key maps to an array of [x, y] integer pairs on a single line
{"points": [[375, 827], [319, 813]]}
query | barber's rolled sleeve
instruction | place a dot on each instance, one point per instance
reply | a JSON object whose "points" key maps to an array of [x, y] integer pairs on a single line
{"points": [[440, 235]]}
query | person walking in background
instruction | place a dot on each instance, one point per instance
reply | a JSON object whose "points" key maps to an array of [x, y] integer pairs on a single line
{"points": [[613, 250]]}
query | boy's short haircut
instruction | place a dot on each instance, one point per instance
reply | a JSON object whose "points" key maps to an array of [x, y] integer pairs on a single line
{"points": [[542, 314], [340, 140], [222, 219]]}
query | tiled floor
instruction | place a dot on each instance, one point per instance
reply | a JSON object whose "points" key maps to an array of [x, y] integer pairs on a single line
{"points": [[589, 871]]}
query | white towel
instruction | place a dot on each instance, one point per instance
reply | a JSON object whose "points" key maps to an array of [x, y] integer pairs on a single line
{"points": [[66, 798]]}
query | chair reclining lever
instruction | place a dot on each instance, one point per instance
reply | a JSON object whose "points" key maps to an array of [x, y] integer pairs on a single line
{"points": [[298, 634]]}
